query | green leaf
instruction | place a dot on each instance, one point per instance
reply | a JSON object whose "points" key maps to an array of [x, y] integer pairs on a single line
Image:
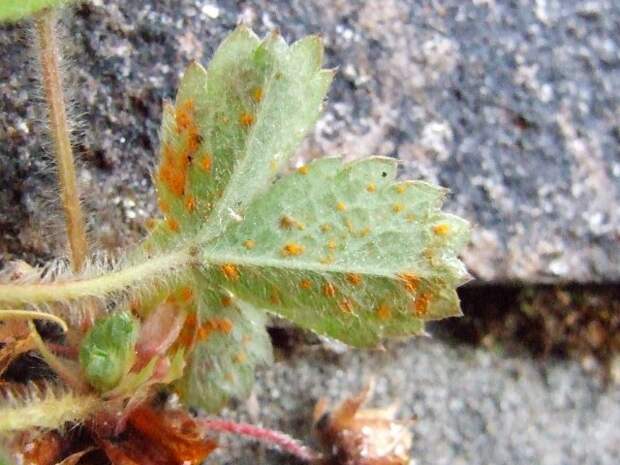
{"points": [[231, 129], [14, 10], [345, 251], [107, 351], [232, 341]]}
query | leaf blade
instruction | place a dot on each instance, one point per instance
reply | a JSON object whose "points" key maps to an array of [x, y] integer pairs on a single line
{"points": [[345, 251]]}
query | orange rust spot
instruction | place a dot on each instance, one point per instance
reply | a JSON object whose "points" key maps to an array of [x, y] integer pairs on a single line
{"points": [[240, 358], [346, 305], [384, 312], [222, 325], [354, 279], [226, 300], [292, 250], [420, 304], [246, 119], [173, 170], [184, 115], [163, 206], [340, 206], [189, 332], [257, 94], [401, 188], [329, 289], [410, 281], [193, 141], [230, 271], [190, 203], [305, 284], [186, 294], [441, 229], [249, 244], [303, 170], [206, 163], [173, 224], [286, 222], [397, 207], [372, 187], [325, 228]]}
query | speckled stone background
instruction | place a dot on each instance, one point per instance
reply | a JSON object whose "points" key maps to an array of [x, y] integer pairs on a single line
{"points": [[513, 105]]}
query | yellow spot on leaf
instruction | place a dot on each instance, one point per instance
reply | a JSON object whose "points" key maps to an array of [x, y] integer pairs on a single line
{"points": [[286, 222], [340, 206], [257, 94], [410, 217], [401, 188], [441, 229], [240, 358], [372, 187], [249, 244], [397, 207], [325, 228], [303, 170], [292, 250], [331, 244], [230, 271]]}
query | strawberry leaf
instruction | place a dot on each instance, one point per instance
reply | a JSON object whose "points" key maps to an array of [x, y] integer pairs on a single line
{"points": [[232, 127], [232, 340], [345, 251]]}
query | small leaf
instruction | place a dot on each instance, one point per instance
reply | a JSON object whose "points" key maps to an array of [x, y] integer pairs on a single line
{"points": [[232, 340], [14, 10], [345, 251], [231, 129], [107, 352]]}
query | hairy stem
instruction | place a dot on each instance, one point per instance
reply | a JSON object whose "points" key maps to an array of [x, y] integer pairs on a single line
{"points": [[51, 79], [32, 315], [65, 373], [270, 437], [99, 286]]}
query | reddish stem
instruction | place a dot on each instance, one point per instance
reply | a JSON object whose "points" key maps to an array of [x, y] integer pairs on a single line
{"points": [[270, 437]]}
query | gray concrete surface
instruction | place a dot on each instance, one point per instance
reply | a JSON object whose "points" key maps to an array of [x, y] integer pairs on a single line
{"points": [[513, 105], [473, 407]]}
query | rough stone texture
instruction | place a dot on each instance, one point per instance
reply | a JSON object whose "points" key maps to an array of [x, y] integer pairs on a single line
{"points": [[513, 105], [473, 407]]}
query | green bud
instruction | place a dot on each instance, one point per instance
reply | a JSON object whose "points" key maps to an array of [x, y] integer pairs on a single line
{"points": [[108, 350]]}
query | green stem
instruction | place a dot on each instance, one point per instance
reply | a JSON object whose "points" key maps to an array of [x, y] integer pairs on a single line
{"points": [[51, 80], [99, 286]]}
